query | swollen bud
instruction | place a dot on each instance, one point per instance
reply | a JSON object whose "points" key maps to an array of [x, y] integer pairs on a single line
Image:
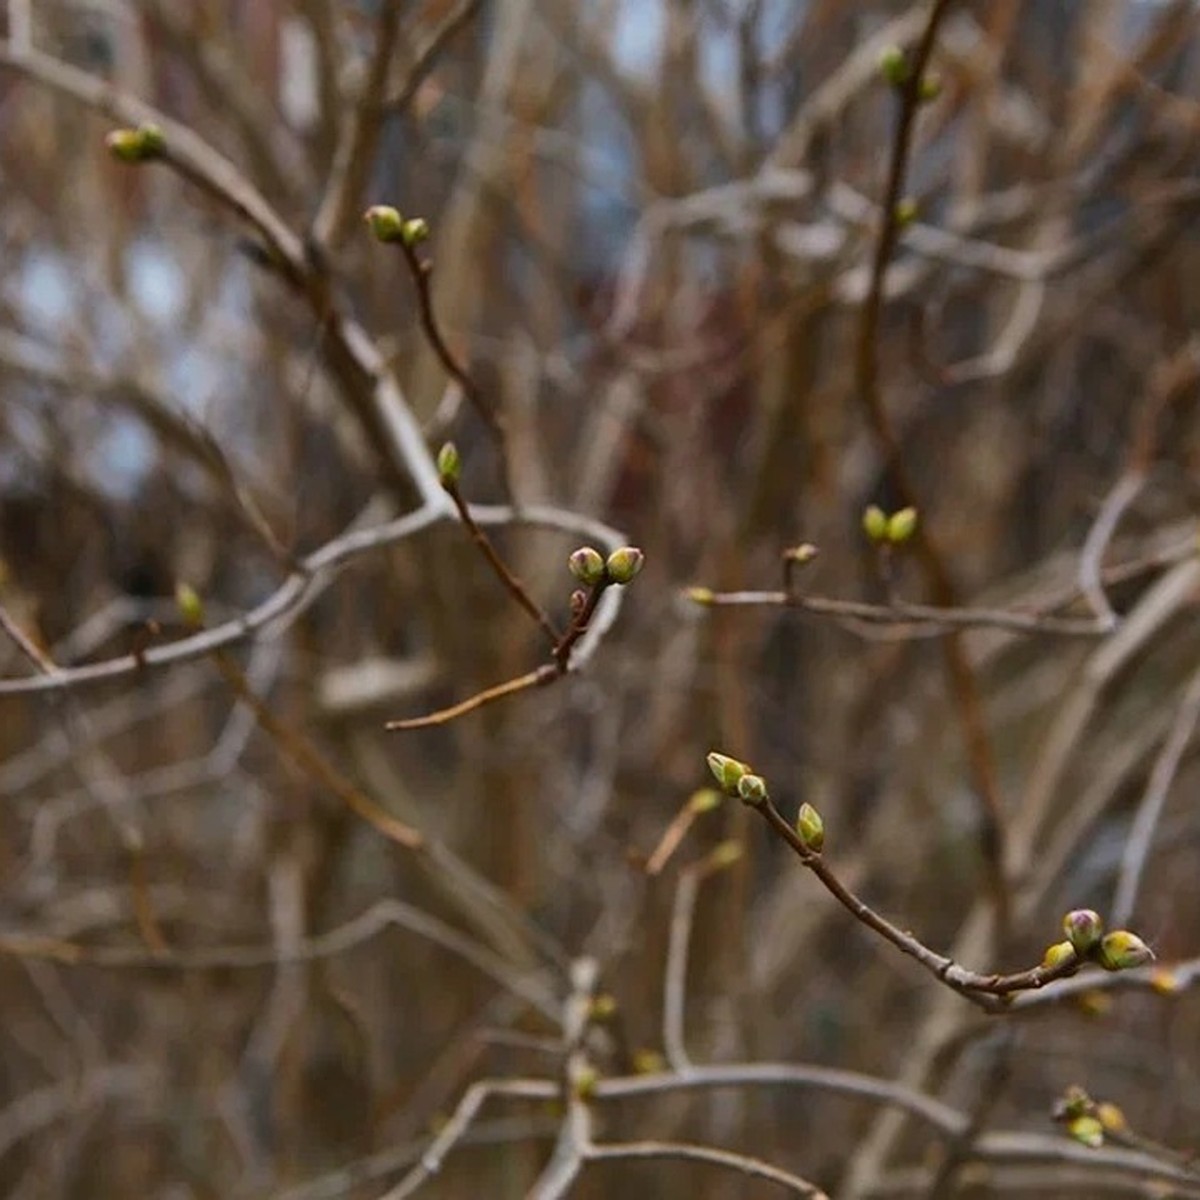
{"points": [[875, 523], [1083, 928], [752, 790], [901, 526], [906, 212], [143, 144], [699, 595], [811, 828], [1058, 954], [1121, 950], [385, 222], [801, 555], [727, 771], [623, 564], [448, 464], [587, 565], [725, 854], [414, 231], [1087, 1130], [704, 800], [191, 607], [893, 66]]}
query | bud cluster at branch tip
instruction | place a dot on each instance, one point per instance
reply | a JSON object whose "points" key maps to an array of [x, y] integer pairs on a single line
{"points": [[1083, 928], [388, 225], [727, 771], [587, 565], [449, 465], [624, 563], [143, 144], [893, 530]]}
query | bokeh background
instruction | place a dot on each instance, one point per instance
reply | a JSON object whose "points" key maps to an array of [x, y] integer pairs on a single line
{"points": [[652, 224]]}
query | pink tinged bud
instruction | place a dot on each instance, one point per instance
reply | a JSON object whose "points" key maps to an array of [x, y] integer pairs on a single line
{"points": [[1084, 929], [624, 563], [1122, 950], [587, 565]]}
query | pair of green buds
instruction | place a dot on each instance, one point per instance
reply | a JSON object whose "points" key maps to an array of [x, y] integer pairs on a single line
{"points": [[738, 779], [1086, 941], [591, 568], [388, 225]]}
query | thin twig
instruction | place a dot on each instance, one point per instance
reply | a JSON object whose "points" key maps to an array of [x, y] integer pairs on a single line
{"points": [[753, 1168], [989, 992], [537, 678], [1150, 808], [356, 148], [515, 587], [683, 913], [867, 384], [286, 603], [949, 619], [421, 270]]}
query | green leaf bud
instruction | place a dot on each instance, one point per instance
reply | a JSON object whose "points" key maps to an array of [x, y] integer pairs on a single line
{"points": [[901, 526], [704, 800], [1087, 1130], [191, 607], [752, 790], [1058, 954], [1083, 928], [1122, 950], [811, 828], [143, 144], [725, 854], [449, 465], [893, 66], [587, 565], [727, 771], [624, 563], [875, 523], [801, 555], [906, 212], [414, 231], [699, 595], [385, 222]]}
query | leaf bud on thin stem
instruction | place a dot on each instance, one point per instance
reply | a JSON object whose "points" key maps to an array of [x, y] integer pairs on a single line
{"points": [[449, 465], [1083, 928], [1122, 950], [727, 771], [385, 222], [587, 565], [810, 827], [624, 563]]}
